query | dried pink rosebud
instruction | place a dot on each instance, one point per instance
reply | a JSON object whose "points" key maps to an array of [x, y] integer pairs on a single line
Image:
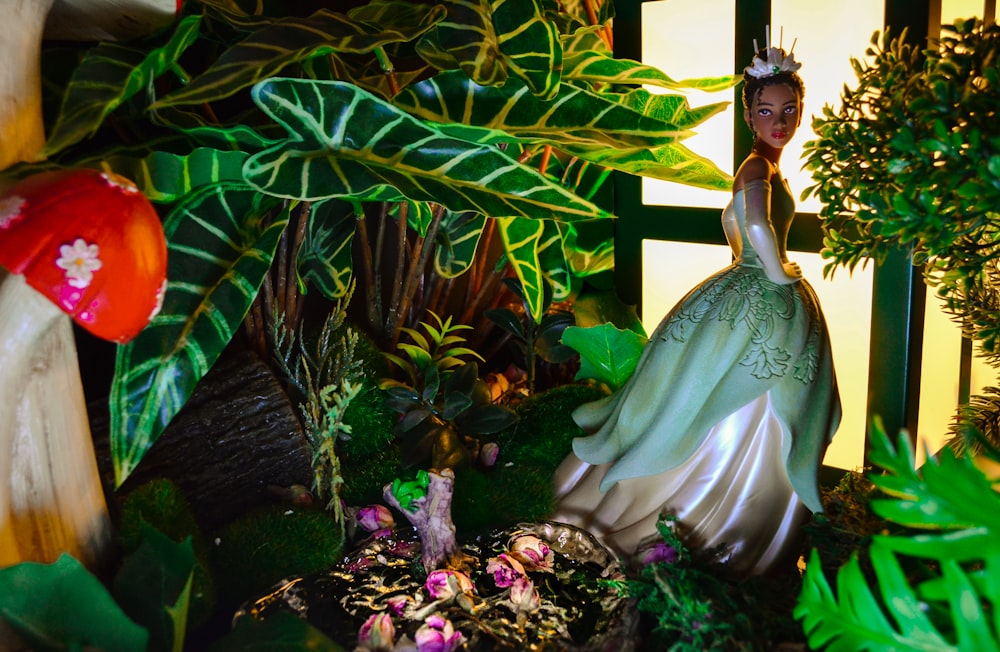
{"points": [[397, 604], [524, 595], [377, 633], [488, 454], [443, 584], [505, 569], [437, 634], [532, 552], [375, 517]]}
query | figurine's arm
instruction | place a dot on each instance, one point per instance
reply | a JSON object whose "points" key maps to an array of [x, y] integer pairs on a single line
{"points": [[760, 231], [731, 227]]}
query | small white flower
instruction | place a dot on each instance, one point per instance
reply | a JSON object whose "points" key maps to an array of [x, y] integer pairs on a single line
{"points": [[10, 209], [80, 260]]}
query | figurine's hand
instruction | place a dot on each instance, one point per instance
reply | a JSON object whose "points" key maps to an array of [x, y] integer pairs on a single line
{"points": [[788, 273]]}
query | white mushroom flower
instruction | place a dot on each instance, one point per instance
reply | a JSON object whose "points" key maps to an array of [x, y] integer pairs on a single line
{"points": [[80, 260]]}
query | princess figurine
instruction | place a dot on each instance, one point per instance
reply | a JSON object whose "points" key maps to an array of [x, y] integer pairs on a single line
{"points": [[725, 421]]}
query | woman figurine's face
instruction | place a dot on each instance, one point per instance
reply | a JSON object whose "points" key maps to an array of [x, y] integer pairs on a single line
{"points": [[775, 114]]}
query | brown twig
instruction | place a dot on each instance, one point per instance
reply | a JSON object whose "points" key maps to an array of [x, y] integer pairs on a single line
{"points": [[373, 304], [392, 318], [418, 262]]}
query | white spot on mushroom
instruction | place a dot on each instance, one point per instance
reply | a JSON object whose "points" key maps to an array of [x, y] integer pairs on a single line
{"points": [[162, 292], [80, 260], [11, 208]]}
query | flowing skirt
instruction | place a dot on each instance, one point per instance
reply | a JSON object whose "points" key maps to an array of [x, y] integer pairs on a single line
{"points": [[723, 425]]}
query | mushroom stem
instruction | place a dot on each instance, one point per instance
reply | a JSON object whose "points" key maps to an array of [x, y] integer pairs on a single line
{"points": [[22, 133], [51, 498]]}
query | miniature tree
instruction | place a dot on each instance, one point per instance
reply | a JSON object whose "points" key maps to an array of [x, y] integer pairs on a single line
{"points": [[911, 160]]}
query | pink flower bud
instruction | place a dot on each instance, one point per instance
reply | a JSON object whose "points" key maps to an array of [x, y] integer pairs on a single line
{"points": [[488, 454], [375, 517], [437, 634], [532, 552], [377, 633], [443, 584], [397, 604], [661, 552], [506, 570], [524, 595]]}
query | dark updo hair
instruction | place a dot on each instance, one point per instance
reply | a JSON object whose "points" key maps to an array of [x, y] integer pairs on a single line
{"points": [[752, 86]]}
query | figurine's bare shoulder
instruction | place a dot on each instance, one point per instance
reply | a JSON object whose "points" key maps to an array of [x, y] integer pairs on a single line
{"points": [[753, 168]]}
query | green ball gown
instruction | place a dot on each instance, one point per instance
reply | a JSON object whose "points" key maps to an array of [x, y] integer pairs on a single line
{"points": [[723, 424]]}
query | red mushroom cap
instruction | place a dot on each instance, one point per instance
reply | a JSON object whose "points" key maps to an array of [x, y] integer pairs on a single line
{"points": [[92, 243]]}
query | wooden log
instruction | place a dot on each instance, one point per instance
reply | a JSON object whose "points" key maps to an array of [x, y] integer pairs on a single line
{"points": [[237, 435]]}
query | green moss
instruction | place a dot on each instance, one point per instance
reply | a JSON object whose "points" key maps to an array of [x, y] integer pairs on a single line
{"points": [[255, 551], [545, 430], [519, 487], [364, 477], [162, 505], [371, 423]]}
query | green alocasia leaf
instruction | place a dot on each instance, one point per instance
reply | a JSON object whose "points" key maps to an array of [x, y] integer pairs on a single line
{"points": [[279, 632], [154, 586], [597, 65], [521, 238], [268, 51], [607, 354], [458, 237], [552, 261], [62, 606], [529, 44], [219, 250], [325, 257], [348, 143], [584, 39], [166, 177], [586, 255], [419, 215], [109, 74], [465, 39], [673, 162], [490, 114], [674, 109], [236, 138]]}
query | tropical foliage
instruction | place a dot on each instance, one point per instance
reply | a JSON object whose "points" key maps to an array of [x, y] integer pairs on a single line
{"points": [[387, 142], [446, 403], [938, 581], [911, 161]]}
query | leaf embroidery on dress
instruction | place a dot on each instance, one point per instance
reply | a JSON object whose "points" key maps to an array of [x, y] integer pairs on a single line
{"points": [[743, 298]]}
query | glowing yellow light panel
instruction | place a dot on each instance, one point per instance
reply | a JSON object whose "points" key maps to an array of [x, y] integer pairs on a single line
{"points": [[689, 39]]}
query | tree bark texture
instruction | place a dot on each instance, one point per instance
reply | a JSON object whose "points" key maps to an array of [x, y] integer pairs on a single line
{"points": [[237, 435]]}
